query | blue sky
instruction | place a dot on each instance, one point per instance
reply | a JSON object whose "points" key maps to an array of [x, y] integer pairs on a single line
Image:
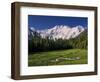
{"points": [[40, 22]]}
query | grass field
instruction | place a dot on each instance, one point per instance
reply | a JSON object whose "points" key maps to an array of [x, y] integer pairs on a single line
{"points": [[61, 57]]}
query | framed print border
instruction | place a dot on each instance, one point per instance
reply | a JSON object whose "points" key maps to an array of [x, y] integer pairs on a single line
{"points": [[15, 40]]}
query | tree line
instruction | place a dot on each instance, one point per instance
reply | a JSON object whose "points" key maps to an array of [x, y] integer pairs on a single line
{"points": [[39, 44]]}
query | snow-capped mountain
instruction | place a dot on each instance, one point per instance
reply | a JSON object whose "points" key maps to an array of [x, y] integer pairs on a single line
{"points": [[32, 33], [59, 31]]}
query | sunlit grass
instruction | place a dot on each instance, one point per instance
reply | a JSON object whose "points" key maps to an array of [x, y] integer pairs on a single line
{"points": [[61, 57]]}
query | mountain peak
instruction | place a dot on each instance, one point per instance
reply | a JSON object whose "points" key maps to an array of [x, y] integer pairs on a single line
{"points": [[60, 26], [61, 31], [80, 27], [32, 28]]}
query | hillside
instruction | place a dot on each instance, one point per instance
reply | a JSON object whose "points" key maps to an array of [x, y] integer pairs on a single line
{"points": [[37, 43]]}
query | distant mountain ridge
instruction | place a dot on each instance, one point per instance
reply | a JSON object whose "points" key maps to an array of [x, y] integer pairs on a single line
{"points": [[58, 31]]}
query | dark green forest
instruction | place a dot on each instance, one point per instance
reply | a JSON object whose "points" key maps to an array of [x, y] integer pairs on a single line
{"points": [[38, 44]]}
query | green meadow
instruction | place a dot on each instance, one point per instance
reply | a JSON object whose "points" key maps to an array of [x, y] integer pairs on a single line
{"points": [[58, 57]]}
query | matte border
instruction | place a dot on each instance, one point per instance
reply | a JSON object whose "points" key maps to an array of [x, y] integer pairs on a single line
{"points": [[15, 40]]}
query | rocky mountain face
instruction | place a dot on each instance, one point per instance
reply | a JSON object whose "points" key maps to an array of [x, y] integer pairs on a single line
{"points": [[56, 32]]}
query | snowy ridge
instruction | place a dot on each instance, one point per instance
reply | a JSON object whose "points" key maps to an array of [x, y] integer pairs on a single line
{"points": [[60, 31]]}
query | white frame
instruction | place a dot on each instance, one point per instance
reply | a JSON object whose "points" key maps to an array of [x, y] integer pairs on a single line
{"points": [[25, 70]]}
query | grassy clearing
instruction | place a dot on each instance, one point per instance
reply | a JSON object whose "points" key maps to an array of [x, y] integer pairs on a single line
{"points": [[61, 57]]}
